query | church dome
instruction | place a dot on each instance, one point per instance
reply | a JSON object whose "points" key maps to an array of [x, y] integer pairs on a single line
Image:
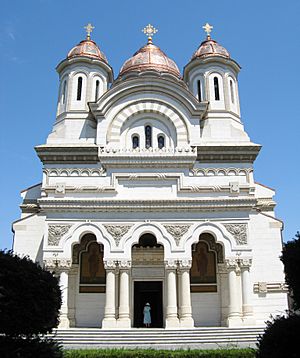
{"points": [[210, 47], [87, 48], [150, 57]]}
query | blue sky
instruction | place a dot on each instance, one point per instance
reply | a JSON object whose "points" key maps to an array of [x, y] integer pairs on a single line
{"points": [[262, 36]]}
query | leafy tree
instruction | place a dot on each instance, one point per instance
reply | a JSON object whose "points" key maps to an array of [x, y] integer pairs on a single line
{"points": [[30, 299], [291, 260]]}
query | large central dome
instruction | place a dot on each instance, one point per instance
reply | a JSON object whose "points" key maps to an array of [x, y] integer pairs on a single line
{"points": [[150, 57]]}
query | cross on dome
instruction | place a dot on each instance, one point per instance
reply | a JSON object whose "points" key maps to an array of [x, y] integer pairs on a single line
{"points": [[149, 31], [89, 28], [207, 28]]}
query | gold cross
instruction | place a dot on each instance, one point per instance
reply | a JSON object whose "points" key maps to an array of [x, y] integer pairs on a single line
{"points": [[207, 28], [89, 28], [149, 31]]}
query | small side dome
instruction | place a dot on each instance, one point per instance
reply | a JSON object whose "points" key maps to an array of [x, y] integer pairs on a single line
{"points": [[150, 57], [210, 47], [87, 48]]}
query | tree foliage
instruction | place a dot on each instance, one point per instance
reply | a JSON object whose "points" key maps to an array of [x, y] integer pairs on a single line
{"points": [[291, 260], [30, 297]]}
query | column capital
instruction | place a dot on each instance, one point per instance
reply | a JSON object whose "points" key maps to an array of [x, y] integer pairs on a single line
{"points": [[184, 264], [124, 264], [110, 264], [171, 264], [246, 263], [57, 264]]}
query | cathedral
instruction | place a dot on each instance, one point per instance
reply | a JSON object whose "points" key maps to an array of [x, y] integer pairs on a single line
{"points": [[148, 195]]}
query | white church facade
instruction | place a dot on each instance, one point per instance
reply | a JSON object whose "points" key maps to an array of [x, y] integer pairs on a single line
{"points": [[148, 196]]}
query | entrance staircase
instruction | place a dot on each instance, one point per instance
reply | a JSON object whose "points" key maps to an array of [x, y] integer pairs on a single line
{"points": [[155, 338]]}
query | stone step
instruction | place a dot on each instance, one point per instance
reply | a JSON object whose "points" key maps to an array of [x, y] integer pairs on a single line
{"points": [[211, 337]]}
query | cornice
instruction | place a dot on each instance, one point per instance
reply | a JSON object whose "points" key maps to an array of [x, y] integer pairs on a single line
{"points": [[106, 205]]}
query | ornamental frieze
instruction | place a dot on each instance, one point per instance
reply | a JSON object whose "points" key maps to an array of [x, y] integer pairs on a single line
{"points": [[56, 232], [177, 231], [117, 231], [239, 232]]}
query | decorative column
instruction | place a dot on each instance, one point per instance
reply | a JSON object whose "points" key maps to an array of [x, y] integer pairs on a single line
{"points": [[171, 314], [73, 274], [186, 320], [248, 317], [109, 320], [124, 316], [61, 268], [234, 312]]}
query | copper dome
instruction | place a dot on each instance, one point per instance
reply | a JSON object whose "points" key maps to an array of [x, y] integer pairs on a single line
{"points": [[210, 47], [87, 48], [150, 57]]}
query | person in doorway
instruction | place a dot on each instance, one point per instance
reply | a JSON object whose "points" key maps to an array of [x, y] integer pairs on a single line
{"points": [[147, 315]]}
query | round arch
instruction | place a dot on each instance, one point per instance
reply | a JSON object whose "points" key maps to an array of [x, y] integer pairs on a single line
{"points": [[76, 233], [161, 108], [216, 231], [148, 228]]}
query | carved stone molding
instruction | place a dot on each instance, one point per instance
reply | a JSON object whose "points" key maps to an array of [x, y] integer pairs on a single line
{"points": [[57, 264], [265, 287], [245, 262], [222, 172], [75, 172], [239, 232], [117, 231], [177, 231], [56, 232]]}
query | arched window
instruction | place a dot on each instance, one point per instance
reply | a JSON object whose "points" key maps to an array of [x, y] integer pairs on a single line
{"points": [[148, 137], [79, 88], [216, 88], [161, 141], [231, 92], [97, 90], [199, 90], [63, 97], [135, 142]]}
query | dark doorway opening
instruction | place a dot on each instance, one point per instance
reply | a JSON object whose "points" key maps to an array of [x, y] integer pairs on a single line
{"points": [[148, 292]]}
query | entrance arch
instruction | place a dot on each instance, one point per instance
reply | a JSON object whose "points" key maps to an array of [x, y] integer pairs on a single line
{"points": [[147, 280]]}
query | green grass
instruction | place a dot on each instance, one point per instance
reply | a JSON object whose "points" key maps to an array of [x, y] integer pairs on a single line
{"points": [[153, 353]]}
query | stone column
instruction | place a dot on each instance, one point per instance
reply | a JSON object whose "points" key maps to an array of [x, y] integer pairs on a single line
{"points": [[109, 320], [186, 320], [248, 317], [73, 287], [124, 316], [171, 314], [234, 313]]}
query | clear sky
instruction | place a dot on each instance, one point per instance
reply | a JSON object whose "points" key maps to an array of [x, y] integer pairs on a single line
{"points": [[262, 36]]}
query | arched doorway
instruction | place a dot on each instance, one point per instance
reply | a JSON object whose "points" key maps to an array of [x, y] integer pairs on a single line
{"points": [[87, 257], [148, 280], [205, 281]]}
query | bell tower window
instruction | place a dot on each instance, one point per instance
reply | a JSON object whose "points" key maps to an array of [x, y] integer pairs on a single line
{"points": [[161, 141], [199, 90], [63, 97], [231, 92], [216, 88], [148, 137], [135, 142], [79, 88], [97, 90]]}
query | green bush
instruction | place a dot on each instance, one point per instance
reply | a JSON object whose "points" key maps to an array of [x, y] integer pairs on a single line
{"points": [[281, 338], [30, 297], [16, 347], [152, 353]]}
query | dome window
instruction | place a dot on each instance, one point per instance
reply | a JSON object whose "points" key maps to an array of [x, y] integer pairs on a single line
{"points": [[135, 141], [199, 90], [231, 92], [161, 141], [216, 88], [97, 90], [79, 88], [148, 137]]}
